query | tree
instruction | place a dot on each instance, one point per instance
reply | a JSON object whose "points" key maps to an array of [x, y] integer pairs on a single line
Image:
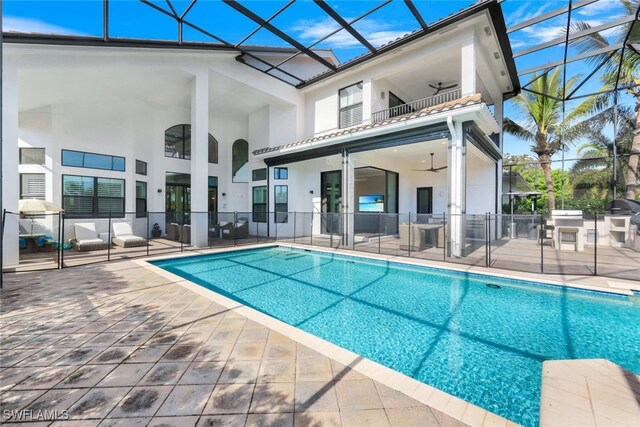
{"points": [[595, 165], [543, 124], [623, 68]]}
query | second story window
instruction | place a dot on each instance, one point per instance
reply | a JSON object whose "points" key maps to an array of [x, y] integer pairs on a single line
{"points": [[32, 156], [177, 144], [350, 109], [80, 159]]}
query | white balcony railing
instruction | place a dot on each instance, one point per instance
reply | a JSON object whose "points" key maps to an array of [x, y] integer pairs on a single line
{"points": [[416, 105]]}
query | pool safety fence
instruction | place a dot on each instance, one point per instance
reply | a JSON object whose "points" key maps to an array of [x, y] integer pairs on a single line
{"points": [[566, 243]]}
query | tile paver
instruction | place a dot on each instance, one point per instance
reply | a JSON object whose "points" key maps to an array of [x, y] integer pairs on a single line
{"points": [[125, 346]]}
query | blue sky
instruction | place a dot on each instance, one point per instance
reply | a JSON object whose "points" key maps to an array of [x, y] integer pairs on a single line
{"points": [[307, 23]]}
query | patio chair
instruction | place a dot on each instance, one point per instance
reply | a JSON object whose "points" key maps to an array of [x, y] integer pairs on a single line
{"points": [[87, 238], [216, 229], [239, 230], [123, 236], [185, 234], [173, 231]]}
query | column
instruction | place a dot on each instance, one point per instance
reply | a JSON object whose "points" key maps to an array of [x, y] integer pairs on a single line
{"points": [[456, 182], [200, 158], [10, 176], [468, 67], [347, 198]]}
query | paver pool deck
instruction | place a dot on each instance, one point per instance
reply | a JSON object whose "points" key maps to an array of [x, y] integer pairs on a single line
{"points": [[118, 344]]}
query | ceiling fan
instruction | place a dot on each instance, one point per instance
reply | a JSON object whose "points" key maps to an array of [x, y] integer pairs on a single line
{"points": [[431, 169], [440, 87]]}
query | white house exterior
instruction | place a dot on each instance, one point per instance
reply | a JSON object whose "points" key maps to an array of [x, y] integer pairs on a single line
{"points": [[82, 101]]}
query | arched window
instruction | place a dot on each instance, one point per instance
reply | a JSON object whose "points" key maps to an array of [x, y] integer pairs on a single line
{"points": [[240, 160], [177, 143]]}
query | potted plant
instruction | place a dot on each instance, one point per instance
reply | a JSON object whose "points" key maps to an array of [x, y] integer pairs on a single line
{"points": [[156, 231]]}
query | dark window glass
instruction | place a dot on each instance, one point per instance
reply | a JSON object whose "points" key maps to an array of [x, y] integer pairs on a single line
{"points": [[177, 144], [141, 167], [239, 161], [92, 160], [259, 174], [260, 204], [32, 186], [280, 173], [213, 150], [32, 156], [350, 108], [92, 197], [141, 199], [281, 197]]}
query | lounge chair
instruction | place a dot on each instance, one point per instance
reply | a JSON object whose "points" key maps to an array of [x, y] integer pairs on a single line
{"points": [[86, 237], [185, 234], [123, 236], [239, 230]]}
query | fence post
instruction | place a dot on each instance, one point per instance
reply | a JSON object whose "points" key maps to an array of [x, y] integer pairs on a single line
{"points": [[180, 231], [486, 243], [311, 233], [409, 237], [595, 246], [4, 214], [60, 238], [147, 233], [489, 239], [295, 216], [61, 243], [235, 221], [109, 239], [379, 231], [331, 231], [542, 235], [258, 229], [444, 236]]}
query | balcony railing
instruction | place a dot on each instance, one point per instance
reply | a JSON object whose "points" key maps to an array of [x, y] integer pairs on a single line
{"points": [[417, 105]]}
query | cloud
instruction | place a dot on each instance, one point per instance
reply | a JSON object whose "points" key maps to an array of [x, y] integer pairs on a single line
{"points": [[17, 24], [526, 11], [374, 31], [598, 8]]}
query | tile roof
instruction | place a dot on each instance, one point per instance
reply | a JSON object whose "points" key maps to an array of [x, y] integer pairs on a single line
{"points": [[445, 106]]}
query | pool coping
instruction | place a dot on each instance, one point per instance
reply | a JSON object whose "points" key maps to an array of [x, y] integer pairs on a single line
{"points": [[450, 405]]}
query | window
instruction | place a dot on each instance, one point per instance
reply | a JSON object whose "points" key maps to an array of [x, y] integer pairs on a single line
{"points": [[259, 174], [32, 186], [350, 110], [239, 161], [92, 161], [141, 199], [260, 204], [177, 144], [280, 173], [92, 197], [141, 167], [32, 156], [281, 194]]}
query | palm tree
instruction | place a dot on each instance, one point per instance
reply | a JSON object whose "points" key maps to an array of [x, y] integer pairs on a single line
{"points": [[543, 124], [622, 68], [596, 155]]}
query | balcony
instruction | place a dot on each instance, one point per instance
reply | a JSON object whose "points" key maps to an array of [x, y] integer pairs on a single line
{"points": [[416, 105]]}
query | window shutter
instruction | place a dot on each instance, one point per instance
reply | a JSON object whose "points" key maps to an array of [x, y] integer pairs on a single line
{"points": [[33, 186]]}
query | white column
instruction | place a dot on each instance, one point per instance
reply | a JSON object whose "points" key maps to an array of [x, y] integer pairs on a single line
{"points": [[199, 158], [456, 186], [348, 189], [10, 176], [468, 67], [367, 100]]}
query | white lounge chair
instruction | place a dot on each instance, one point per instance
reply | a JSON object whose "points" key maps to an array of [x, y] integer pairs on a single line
{"points": [[87, 238], [123, 236]]}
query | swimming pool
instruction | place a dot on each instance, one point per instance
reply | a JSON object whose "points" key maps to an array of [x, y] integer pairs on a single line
{"points": [[477, 337]]}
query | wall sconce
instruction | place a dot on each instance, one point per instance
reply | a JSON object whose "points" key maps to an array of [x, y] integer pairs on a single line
{"points": [[224, 194], [310, 191], [159, 190]]}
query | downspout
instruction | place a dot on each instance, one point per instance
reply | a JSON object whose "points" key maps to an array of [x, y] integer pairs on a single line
{"points": [[452, 128]]}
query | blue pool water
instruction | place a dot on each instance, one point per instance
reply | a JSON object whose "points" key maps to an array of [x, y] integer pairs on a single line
{"points": [[450, 330]]}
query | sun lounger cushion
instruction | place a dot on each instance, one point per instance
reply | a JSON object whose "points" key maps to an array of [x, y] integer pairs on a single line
{"points": [[123, 236], [86, 237]]}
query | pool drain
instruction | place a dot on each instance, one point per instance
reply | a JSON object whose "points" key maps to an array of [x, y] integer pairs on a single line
{"points": [[492, 286]]}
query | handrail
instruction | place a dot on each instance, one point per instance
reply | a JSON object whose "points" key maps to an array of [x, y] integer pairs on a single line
{"points": [[416, 105]]}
